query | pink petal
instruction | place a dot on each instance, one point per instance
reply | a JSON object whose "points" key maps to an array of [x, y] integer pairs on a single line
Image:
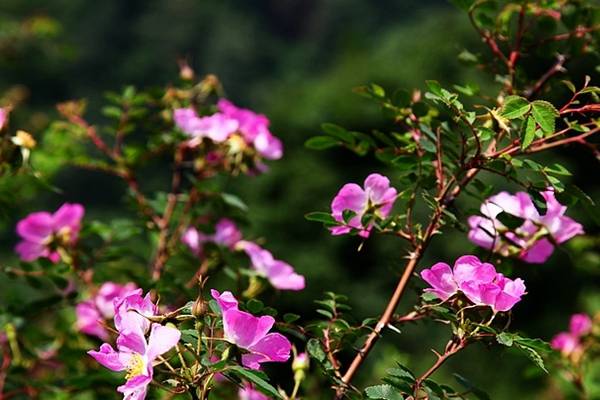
{"points": [[580, 324], [225, 300], [31, 251], [244, 329], [274, 347], [470, 268], [36, 227], [538, 253], [282, 276], [440, 277], [109, 358], [136, 387], [68, 216], [89, 320], [131, 342], [162, 339], [350, 197]]}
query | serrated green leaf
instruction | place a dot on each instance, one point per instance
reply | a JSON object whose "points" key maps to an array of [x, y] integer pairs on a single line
{"points": [[505, 339], [385, 392], [545, 115], [315, 350], [320, 217], [514, 107], [529, 133]]}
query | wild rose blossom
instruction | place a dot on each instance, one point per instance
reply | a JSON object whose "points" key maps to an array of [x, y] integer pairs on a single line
{"points": [[216, 127], [376, 197], [136, 354], [533, 240], [249, 393], [254, 128], [41, 232], [219, 127], [226, 234], [477, 280], [279, 273], [569, 343], [251, 333], [100, 307]]}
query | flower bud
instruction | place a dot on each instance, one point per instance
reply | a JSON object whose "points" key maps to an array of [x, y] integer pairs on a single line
{"points": [[300, 363], [199, 308]]}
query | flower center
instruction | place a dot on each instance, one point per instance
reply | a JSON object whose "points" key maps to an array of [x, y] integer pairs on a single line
{"points": [[135, 367]]}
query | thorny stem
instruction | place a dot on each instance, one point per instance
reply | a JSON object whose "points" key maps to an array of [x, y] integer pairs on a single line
{"points": [[452, 348]]}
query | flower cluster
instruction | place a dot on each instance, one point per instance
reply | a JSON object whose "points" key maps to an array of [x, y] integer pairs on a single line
{"points": [[478, 281], [251, 333], [231, 124], [569, 343], [135, 353], [376, 197], [43, 234], [279, 273], [94, 312], [534, 240]]}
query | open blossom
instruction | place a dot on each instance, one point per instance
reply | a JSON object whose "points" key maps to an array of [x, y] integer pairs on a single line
{"points": [[42, 232], [91, 313], [249, 393], [477, 280], [135, 355], [251, 333], [279, 273], [226, 234], [376, 197], [254, 128], [569, 343], [216, 127], [533, 240]]}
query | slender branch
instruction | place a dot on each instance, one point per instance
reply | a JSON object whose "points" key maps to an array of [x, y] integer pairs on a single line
{"points": [[557, 67], [451, 349]]}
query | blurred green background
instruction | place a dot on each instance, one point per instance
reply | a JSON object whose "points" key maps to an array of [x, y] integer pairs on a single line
{"points": [[295, 61]]}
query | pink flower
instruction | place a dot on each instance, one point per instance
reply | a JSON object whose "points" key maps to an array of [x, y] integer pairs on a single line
{"points": [[42, 232], [249, 393], [377, 197], [279, 273], [569, 343], [92, 312], [533, 240], [135, 355], [580, 324], [3, 117], [251, 333], [131, 312], [255, 129], [478, 281], [226, 234], [216, 127], [566, 343]]}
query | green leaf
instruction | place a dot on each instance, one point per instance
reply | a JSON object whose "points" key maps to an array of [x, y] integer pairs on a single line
{"points": [[505, 339], [515, 107], [289, 317], [254, 306], [338, 132], [323, 217], [321, 142], [315, 350], [386, 392], [545, 115], [254, 378], [435, 88], [528, 134], [234, 201]]}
